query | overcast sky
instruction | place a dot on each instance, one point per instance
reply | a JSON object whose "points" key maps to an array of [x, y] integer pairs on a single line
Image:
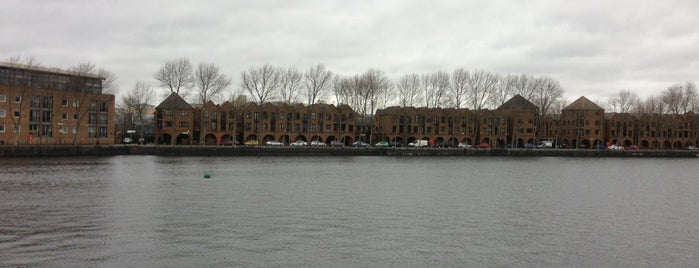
{"points": [[593, 48]]}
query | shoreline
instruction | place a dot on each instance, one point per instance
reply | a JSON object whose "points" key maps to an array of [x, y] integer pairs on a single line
{"points": [[182, 150]]}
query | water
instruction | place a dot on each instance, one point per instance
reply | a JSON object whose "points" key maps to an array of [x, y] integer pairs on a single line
{"points": [[135, 211]]}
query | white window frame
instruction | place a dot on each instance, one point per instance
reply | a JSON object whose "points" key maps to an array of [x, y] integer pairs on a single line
{"points": [[2, 113], [3, 98]]}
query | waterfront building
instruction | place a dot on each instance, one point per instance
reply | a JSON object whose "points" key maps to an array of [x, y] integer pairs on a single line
{"points": [[517, 123], [522, 119], [291, 122], [582, 124], [53, 107], [174, 121], [652, 131], [218, 124], [442, 127], [514, 122]]}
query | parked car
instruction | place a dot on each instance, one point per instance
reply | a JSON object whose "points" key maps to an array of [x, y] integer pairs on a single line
{"points": [[598, 146], [528, 145], [465, 145], [336, 143], [444, 145], [230, 143], [632, 147], [275, 143], [382, 144], [317, 143], [360, 144], [691, 147], [252, 143], [483, 146], [615, 147], [298, 143], [127, 140], [396, 144]]}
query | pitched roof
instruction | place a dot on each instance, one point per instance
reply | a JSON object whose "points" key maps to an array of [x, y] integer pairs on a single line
{"points": [[518, 102], [583, 103], [174, 101]]}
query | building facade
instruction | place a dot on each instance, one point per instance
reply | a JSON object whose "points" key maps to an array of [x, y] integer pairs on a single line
{"points": [[517, 123], [53, 107]]}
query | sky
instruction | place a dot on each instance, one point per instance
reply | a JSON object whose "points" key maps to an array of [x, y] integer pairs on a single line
{"points": [[593, 48]]}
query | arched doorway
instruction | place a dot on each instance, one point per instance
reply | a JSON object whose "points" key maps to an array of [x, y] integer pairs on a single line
{"points": [[166, 139], [210, 139], [182, 139]]}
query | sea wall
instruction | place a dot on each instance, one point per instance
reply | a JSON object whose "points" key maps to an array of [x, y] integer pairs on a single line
{"points": [[109, 150]]}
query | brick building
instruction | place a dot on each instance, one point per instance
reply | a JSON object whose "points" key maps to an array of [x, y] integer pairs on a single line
{"points": [[175, 121], [516, 123], [582, 124], [291, 122], [52, 106]]}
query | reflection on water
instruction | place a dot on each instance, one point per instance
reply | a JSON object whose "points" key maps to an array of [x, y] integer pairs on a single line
{"points": [[348, 211]]}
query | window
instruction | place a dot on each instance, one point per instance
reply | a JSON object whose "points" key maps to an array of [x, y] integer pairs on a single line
{"points": [[16, 113], [2, 113], [65, 116], [168, 112], [75, 116], [183, 124], [2, 128], [3, 98], [18, 99], [64, 102], [183, 113]]}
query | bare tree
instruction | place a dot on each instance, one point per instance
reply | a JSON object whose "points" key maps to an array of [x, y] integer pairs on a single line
{"points": [[82, 97], [262, 82], [503, 90], [436, 86], [176, 75], [652, 105], [458, 87], [290, 85], [689, 99], [386, 96], [19, 90], [136, 103], [210, 82], [525, 85], [343, 89], [371, 85], [408, 87], [547, 92], [317, 81], [480, 86], [623, 101], [109, 85], [672, 98]]}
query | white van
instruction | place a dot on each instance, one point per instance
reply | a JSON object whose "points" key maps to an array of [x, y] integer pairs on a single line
{"points": [[419, 143], [545, 145]]}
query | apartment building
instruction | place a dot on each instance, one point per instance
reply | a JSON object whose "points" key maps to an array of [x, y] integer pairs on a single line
{"points": [[516, 123], [291, 122], [53, 107]]}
